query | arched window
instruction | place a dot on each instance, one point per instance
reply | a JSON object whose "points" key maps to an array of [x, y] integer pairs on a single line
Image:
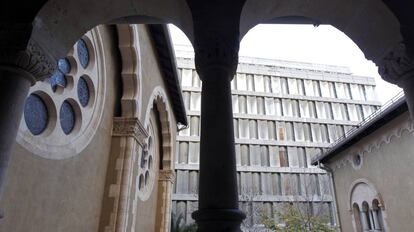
{"points": [[366, 206], [377, 215], [357, 217]]}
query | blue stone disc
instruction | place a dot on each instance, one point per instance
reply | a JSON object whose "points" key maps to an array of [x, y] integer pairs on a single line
{"points": [[57, 79], [36, 114], [83, 53], [64, 65], [83, 92], [67, 117]]}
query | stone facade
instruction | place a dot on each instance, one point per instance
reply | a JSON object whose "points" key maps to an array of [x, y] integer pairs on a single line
{"points": [[284, 114], [369, 171], [103, 163]]}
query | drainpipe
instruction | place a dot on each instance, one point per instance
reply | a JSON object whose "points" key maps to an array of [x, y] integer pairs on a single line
{"points": [[330, 173]]}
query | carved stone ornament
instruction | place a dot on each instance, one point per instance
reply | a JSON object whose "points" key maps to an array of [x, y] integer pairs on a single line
{"points": [[130, 127], [34, 60], [166, 175], [216, 50], [397, 66]]}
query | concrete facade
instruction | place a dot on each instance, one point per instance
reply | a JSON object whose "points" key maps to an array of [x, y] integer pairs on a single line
{"points": [[284, 114], [118, 176], [368, 176]]}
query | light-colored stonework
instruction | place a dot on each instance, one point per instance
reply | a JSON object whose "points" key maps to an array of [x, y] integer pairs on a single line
{"points": [[53, 143], [373, 185], [90, 179]]}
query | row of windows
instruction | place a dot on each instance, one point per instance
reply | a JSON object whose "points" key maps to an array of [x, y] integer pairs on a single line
{"points": [[255, 210], [269, 184], [276, 130], [292, 86], [254, 155], [287, 107]]}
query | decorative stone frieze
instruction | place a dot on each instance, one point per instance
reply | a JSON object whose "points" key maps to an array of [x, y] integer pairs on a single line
{"points": [[124, 127], [166, 175], [397, 66], [34, 60]]}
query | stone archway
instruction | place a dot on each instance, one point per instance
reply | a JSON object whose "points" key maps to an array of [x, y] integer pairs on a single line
{"points": [[166, 174], [370, 24]]}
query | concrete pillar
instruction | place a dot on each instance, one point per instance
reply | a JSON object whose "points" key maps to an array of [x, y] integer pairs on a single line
{"points": [[14, 87]]}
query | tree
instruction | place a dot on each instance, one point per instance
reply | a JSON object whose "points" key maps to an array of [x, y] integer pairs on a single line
{"points": [[307, 212], [178, 224]]}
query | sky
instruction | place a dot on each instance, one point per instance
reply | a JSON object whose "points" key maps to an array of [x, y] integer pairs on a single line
{"points": [[323, 44]]}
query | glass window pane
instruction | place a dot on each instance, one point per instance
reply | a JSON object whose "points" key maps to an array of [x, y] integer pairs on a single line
{"points": [[259, 83], [299, 133], [270, 106], [263, 132], [242, 105], [244, 129], [250, 82], [195, 102], [276, 87], [268, 85], [260, 106], [251, 105], [186, 77], [293, 86], [325, 89], [278, 107], [309, 90], [235, 101], [241, 81], [304, 109], [284, 87], [287, 107], [370, 93]]}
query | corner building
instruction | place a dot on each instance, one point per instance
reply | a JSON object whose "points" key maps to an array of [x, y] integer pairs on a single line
{"points": [[284, 113]]}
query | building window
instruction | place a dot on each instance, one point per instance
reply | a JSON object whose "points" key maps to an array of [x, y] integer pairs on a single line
{"points": [[367, 209]]}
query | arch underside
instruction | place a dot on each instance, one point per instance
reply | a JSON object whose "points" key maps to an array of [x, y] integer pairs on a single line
{"points": [[370, 24]]}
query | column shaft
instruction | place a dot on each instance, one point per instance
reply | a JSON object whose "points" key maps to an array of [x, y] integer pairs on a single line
{"points": [[218, 196], [14, 87]]}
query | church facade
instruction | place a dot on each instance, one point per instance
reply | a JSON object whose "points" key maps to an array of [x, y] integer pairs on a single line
{"points": [[368, 168], [95, 146]]}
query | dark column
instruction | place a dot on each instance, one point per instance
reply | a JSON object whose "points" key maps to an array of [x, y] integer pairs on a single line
{"points": [[397, 67], [22, 63], [14, 86], [216, 46]]}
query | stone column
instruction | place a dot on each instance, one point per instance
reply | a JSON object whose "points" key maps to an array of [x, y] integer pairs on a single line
{"points": [[165, 181], [216, 61], [364, 220], [19, 69], [14, 87], [376, 223], [397, 67]]}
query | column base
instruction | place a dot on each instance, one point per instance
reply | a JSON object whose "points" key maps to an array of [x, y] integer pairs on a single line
{"points": [[218, 220]]}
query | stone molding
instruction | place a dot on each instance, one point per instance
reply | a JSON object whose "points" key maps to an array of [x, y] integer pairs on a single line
{"points": [[33, 60], [397, 66], [166, 175], [128, 44], [129, 127], [373, 144]]}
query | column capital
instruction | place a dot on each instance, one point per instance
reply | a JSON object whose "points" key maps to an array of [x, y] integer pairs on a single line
{"points": [[397, 67], [166, 175], [21, 54], [130, 127], [215, 49]]}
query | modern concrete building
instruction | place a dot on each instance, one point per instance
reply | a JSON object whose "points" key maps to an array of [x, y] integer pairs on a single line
{"points": [[284, 114], [368, 168]]}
